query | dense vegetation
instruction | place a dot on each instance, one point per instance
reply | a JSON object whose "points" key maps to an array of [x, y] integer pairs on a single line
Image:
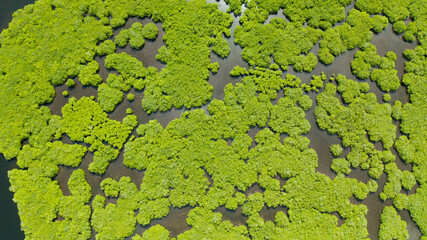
{"points": [[206, 159]]}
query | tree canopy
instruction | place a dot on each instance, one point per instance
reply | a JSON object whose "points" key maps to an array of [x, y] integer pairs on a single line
{"points": [[218, 150]]}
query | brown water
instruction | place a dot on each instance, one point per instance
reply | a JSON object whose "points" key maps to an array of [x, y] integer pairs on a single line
{"points": [[320, 139]]}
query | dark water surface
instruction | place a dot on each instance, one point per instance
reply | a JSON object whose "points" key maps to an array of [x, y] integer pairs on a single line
{"points": [[176, 220], [9, 219]]}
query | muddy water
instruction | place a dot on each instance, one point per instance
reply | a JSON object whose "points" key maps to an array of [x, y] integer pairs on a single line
{"points": [[320, 139]]}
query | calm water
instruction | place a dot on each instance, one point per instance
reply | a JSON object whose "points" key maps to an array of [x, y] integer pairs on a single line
{"points": [[176, 220]]}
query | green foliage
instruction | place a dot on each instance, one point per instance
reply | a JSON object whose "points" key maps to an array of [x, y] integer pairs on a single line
{"points": [[182, 83], [361, 191], [330, 115], [220, 47], [78, 186], [325, 56], [393, 185], [70, 83], [281, 219], [399, 27], [88, 75], [109, 97], [238, 71], [289, 44], [118, 82], [386, 97], [110, 187], [111, 222], [305, 102], [351, 123], [395, 10], [372, 185], [254, 204], [340, 165], [401, 201], [105, 48], [102, 158], [150, 31], [410, 147], [44, 53], [417, 207], [364, 87], [126, 65], [158, 208], [379, 23], [386, 79], [41, 201], [355, 32], [235, 6], [392, 227], [315, 84], [310, 216], [318, 14], [410, 33], [305, 161], [305, 63], [186, 53], [269, 81], [286, 117], [397, 113], [214, 67], [373, 7], [385, 75], [84, 120], [234, 202], [136, 36], [408, 180], [204, 222], [336, 150], [130, 97], [48, 43], [122, 38], [156, 232], [51, 154], [65, 93]]}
